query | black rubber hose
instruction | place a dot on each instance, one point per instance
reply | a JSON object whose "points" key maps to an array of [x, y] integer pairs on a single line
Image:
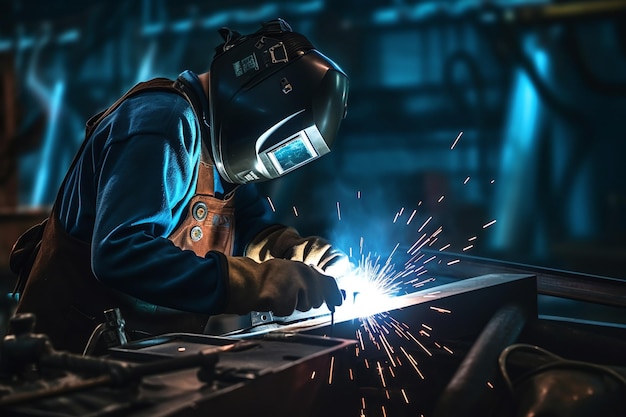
{"points": [[468, 393]]}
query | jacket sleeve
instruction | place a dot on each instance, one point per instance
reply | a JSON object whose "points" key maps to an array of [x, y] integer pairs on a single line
{"points": [[144, 179]]}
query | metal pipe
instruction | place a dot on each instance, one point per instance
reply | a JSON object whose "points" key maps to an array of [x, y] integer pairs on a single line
{"points": [[468, 393]]}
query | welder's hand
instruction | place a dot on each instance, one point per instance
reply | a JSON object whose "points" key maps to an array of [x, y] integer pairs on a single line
{"points": [[286, 243], [278, 285]]}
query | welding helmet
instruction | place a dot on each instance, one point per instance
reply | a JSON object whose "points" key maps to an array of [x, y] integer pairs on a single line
{"points": [[275, 103]]}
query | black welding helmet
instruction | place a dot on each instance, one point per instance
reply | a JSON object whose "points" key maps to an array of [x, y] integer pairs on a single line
{"points": [[276, 103]]}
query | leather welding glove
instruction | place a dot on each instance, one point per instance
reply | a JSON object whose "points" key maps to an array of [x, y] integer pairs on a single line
{"points": [[278, 285], [286, 243]]}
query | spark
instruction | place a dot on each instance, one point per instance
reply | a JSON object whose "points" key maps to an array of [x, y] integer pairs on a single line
{"points": [[456, 140], [412, 249], [388, 348], [384, 344], [411, 218], [413, 362], [360, 337], [392, 252], [440, 310], [492, 181], [406, 399], [424, 224], [488, 224], [423, 282], [419, 344], [295, 211], [489, 384], [271, 204], [380, 373], [429, 259]]}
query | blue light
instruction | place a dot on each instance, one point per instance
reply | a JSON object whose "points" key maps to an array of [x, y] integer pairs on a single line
{"points": [[310, 7], [69, 36], [517, 176], [42, 180], [385, 16], [215, 20], [182, 25]]}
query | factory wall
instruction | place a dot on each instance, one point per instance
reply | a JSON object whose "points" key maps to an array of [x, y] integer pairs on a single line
{"points": [[460, 114]]}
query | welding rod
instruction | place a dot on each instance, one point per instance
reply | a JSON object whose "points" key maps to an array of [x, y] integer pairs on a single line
{"points": [[468, 392]]}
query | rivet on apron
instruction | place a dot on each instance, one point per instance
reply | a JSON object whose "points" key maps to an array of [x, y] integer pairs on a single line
{"points": [[196, 233], [199, 211]]}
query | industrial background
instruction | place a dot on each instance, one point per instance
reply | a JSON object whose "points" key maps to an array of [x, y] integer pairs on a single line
{"points": [[535, 89], [500, 122]]}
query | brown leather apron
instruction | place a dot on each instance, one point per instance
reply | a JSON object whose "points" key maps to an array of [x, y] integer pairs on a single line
{"points": [[210, 221], [69, 301]]}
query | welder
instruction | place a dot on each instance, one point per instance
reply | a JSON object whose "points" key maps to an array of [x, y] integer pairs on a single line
{"points": [[159, 215]]}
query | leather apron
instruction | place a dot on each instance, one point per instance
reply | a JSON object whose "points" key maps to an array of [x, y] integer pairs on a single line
{"points": [[68, 300]]}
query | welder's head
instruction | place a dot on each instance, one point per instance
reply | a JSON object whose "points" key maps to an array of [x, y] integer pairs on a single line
{"points": [[276, 103]]}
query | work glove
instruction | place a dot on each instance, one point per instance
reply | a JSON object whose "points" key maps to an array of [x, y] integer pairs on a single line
{"points": [[278, 285], [284, 242]]}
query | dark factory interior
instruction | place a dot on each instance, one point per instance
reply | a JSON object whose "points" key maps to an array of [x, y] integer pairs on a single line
{"points": [[479, 173]]}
